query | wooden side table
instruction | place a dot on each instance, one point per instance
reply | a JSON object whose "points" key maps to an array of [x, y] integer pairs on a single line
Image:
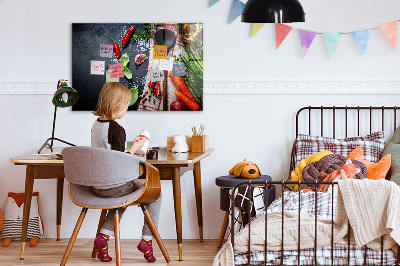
{"points": [[226, 183]]}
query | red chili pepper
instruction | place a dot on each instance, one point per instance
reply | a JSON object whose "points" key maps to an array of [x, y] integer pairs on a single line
{"points": [[151, 84], [116, 49], [158, 89], [127, 36]]}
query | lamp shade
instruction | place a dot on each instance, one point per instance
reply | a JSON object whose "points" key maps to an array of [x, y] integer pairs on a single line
{"points": [[273, 11], [65, 96]]}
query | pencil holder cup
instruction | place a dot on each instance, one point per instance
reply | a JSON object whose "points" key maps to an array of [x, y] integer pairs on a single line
{"points": [[200, 143]]}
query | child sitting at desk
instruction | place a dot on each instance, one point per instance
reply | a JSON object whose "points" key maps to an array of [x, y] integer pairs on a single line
{"points": [[106, 133]]}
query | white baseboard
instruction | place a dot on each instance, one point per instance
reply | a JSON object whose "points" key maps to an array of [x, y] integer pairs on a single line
{"points": [[246, 87]]}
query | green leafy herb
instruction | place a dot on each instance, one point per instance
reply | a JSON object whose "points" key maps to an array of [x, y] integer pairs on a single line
{"points": [[146, 33], [135, 95], [125, 61], [127, 73], [194, 67]]}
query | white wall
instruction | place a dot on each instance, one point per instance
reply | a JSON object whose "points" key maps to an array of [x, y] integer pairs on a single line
{"points": [[36, 47]]}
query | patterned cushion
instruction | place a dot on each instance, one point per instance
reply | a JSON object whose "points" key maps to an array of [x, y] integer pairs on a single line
{"points": [[372, 144]]}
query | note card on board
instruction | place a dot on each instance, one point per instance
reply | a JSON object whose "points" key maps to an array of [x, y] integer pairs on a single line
{"points": [[160, 51], [179, 70], [106, 50], [97, 67], [110, 79], [166, 64], [156, 75], [117, 71]]}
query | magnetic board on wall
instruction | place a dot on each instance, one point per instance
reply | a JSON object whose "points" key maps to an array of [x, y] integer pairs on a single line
{"points": [[165, 68]]}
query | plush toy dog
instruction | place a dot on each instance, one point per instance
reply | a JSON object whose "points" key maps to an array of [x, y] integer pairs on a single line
{"points": [[245, 169]]}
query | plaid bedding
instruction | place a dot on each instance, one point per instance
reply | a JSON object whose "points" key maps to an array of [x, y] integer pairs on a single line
{"points": [[324, 257], [372, 145], [322, 207]]}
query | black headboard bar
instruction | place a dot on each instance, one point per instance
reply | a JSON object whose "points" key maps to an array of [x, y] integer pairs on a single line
{"points": [[358, 120], [334, 109], [346, 108], [322, 120], [370, 120], [345, 112], [309, 120]]}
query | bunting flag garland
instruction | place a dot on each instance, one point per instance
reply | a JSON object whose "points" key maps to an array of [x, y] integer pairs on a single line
{"points": [[281, 31], [237, 9], [213, 2], [256, 28], [306, 39], [361, 38], [389, 30], [332, 41]]}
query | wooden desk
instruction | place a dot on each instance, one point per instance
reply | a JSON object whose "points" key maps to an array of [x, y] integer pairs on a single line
{"points": [[40, 167], [168, 164]]}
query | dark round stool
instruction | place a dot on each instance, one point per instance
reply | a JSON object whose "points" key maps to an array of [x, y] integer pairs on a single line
{"points": [[228, 182]]}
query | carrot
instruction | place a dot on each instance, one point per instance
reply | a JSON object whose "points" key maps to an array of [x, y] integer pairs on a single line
{"points": [[192, 104], [181, 86]]}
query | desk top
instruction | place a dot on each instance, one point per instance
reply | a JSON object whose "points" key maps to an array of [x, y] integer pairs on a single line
{"points": [[164, 157]]}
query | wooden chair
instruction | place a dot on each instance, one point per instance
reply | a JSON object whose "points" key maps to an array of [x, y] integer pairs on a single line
{"points": [[85, 167]]}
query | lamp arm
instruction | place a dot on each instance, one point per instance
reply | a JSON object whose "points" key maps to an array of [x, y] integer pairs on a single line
{"points": [[54, 126], [46, 143]]}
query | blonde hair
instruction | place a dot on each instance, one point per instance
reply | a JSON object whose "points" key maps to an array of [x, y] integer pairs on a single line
{"points": [[113, 97]]}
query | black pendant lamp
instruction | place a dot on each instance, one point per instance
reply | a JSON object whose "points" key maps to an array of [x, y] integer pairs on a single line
{"points": [[273, 11]]}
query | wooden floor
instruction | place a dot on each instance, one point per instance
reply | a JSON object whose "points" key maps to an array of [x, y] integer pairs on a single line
{"points": [[50, 252]]}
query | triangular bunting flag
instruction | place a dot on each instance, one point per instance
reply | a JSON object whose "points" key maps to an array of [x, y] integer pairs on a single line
{"points": [[361, 38], [237, 9], [389, 30], [281, 31], [256, 28], [306, 39], [332, 41], [213, 2]]}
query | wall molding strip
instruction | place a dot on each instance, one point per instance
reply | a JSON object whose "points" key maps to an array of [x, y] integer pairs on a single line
{"points": [[243, 87]]}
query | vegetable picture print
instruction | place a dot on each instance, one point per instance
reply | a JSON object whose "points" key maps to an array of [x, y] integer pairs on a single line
{"points": [[161, 64]]}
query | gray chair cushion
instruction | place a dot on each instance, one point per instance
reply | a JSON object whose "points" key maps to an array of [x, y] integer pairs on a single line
{"points": [[99, 167], [84, 196]]}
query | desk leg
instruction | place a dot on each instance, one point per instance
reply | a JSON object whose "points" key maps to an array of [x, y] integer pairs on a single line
{"points": [[60, 190], [176, 182], [27, 206], [199, 204]]}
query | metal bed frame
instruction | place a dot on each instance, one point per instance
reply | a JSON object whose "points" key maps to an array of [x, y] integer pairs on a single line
{"points": [[283, 184]]}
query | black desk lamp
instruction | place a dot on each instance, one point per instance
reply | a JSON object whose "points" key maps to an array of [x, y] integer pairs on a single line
{"points": [[63, 97], [273, 11]]}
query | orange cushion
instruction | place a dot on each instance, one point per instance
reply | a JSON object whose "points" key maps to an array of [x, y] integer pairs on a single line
{"points": [[375, 170]]}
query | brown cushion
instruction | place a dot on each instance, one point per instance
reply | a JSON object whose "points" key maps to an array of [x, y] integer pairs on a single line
{"points": [[328, 164]]}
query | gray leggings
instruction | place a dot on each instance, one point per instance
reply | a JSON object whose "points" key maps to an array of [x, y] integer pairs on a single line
{"points": [[154, 208]]}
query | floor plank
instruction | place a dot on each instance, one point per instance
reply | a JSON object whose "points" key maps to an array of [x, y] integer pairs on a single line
{"points": [[50, 252]]}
